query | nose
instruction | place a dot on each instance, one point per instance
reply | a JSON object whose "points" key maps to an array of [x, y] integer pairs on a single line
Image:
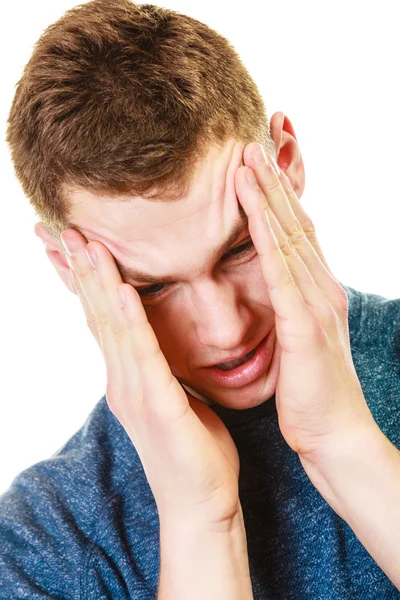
{"points": [[220, 314]]}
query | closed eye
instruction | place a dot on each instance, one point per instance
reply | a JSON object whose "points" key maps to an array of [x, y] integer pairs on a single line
{"points": [[157, 289]]}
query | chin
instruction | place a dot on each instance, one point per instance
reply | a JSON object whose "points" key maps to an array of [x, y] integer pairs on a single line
{"points": [[238, 401]]}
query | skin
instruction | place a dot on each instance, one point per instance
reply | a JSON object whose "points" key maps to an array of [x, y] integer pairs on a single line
{"points": [[287, 287], [220, 306]]}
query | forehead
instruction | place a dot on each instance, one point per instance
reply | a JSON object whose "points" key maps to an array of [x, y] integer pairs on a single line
{"points": [[159, 237]]}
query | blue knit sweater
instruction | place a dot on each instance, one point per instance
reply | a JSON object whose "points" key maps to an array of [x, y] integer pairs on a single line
{"points": [[84, 524]]}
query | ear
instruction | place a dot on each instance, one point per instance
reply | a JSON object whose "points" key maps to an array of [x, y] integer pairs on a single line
{"points": [[288, 153], [56, 254]]}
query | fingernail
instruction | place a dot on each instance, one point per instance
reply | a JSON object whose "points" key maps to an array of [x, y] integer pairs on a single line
{"points": [[259, 155], [121, 297], [69, 244], [91, 256]]}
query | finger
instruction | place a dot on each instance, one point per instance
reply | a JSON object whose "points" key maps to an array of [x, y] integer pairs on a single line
{"points": [[128, 342], [162, 393], [97, 307], [311, 253], [290, 285], [86, 306], [295, 223], [132, 341], [303, 218]]}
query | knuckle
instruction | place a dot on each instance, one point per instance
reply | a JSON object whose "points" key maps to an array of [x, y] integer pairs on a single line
{"points": [[119, 331], [272, 186], [102, 322], [81, 273], [287, 249], [286, 281], [308, 227], [92, 326], [295, 232], [312, 238]]}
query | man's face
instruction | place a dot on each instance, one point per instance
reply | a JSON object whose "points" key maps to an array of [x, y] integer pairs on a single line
{"points": [[214, 307]]}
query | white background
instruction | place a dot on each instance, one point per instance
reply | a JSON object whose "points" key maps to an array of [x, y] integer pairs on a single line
{"points": [[332, 67]]}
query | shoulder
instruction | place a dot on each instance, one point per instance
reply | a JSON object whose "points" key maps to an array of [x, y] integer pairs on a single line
{"points": [[373, 318], [374, 326]]}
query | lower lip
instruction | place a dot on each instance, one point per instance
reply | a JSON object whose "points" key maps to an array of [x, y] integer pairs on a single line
{"points": [[245, 373]]}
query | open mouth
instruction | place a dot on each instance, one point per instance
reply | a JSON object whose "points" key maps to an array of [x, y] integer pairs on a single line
{"points": [[228, 366], [242, 371]]}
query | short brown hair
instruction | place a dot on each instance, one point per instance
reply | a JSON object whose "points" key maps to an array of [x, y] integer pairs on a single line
{"points": [[124, 99]]}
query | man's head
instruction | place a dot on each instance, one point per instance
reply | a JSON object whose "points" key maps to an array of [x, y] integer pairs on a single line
{"points": [[129, 124]]}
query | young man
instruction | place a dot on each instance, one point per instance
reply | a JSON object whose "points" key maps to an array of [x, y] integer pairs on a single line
{"points": [[133, 128]]}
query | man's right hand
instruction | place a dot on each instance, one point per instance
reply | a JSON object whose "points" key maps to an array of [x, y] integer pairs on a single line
{"points": [[188, 455]]}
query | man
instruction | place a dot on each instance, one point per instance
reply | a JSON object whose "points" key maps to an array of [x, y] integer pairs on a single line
{"points": [[117, 146]]}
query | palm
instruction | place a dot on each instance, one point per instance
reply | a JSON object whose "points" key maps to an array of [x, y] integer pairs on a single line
{"points": [[218, 430], [208, 462]]}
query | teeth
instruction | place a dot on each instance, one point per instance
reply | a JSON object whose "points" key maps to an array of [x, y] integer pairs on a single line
{"points": [[235, 363]]}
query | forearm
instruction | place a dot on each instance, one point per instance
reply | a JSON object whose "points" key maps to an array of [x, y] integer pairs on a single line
{"points": [[360, 479], [196, 564]]}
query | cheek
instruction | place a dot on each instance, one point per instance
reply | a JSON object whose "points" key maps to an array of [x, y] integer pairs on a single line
{"points": [[252, 285], [172, 324], [168, 326]]}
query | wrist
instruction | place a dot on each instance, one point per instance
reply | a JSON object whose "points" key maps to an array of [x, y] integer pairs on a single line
{"points": [[197, 562], [360, 479], [335, 470]]}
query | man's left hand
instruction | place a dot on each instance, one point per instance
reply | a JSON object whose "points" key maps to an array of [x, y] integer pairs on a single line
{"points": [[319, 398]]}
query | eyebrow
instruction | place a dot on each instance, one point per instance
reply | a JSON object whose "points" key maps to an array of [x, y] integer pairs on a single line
{"points": [[130, 274]]}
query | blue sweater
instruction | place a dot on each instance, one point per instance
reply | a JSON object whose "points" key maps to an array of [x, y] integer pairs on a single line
{"points": [[84, 524]]}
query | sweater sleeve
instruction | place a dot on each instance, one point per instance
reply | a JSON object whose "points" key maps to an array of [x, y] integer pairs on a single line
{"points": [[41, 543], [83, 523]]}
